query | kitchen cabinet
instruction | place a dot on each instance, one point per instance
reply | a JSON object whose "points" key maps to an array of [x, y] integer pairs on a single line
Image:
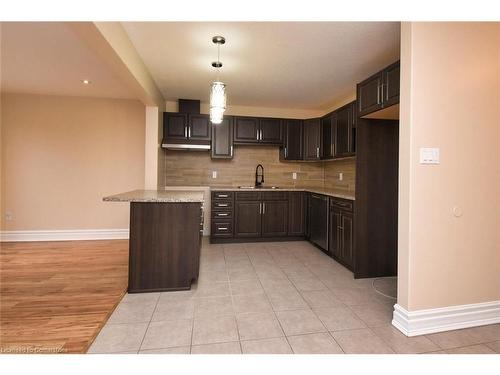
{"points": [[222, 214], [247, 219], [270, 131], [312, 139], [353, 127], [296, 213], [327, 136], [292, 143], [222, 139], [342, 129], [379, 91], [318, 220], [186, 128], [275, 218], [341, 240], [246, 130], [252, 130]]}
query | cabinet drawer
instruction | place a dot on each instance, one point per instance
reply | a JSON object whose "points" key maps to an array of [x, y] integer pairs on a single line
{"points": [[247, 196], [222, 215], [275, 195], [342, 204], [222, 195], [222, 205], [222, 229]]}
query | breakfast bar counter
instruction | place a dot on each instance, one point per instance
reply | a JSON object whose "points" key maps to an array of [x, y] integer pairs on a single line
{"points": [[165, 238]]}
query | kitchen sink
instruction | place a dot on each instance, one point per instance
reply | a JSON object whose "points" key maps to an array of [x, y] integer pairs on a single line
{"points": [[258, 187]]}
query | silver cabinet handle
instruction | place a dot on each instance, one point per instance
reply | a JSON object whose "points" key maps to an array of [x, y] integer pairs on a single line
{"points": [[221, 204], [221, 214], [222, 195], [189, 132], [263, 208], [186, 132], [378, 94], [231, 150], [260, 208], [317, 152], [286, 154], [257, 134], [222, 228]]}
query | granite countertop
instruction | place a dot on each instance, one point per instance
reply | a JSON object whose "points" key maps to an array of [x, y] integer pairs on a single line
{"points": [[159, 196], [330, 192]]}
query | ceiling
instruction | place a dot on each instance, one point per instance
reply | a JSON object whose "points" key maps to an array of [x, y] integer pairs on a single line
{"points": [[50, 58], [302, 65]]}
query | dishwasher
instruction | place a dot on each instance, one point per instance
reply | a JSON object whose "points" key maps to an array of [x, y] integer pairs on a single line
{"points": [[318, 220]]}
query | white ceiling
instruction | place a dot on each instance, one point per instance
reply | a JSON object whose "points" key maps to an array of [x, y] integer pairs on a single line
{"points": [[307, 65], [50, 58]]}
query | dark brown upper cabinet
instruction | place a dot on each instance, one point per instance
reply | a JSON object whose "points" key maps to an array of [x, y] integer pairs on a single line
{"points": [[379, 91], [270, 131], [246, 130], [252, 130], [186, 128], [327, 132], [292, 140], [312, 139], [353, 127], [222, 139], [342, 130]]}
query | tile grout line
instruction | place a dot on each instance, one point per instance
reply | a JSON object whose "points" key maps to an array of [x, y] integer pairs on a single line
{"points": [[150, 319]]}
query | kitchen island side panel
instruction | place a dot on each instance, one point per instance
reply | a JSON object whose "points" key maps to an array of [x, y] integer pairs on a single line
{"points": [[164, 247]]}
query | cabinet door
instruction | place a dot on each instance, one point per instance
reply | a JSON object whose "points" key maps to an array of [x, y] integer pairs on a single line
{"points": [[391, 85], [342, 130], [312, 139], [222, 139], [175, 126], [335, 234], [247, 219], [327, 140], [199, 127], [369, 94], [246, 130], [353, 127], [318, 220], [270, 131], [274, 218], [347, 239], [293, 140], [296, 213]]}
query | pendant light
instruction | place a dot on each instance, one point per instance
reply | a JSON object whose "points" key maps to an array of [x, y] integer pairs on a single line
{"points": [[217, 88]]}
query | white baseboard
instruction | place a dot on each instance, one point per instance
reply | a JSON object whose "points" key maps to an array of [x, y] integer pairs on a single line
{"points": [[421, 322], [63, 235]]}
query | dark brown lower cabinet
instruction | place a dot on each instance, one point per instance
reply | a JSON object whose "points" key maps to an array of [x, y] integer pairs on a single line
{"points": [[296, 213], [247, 219], [341, 236], [274, 218]]}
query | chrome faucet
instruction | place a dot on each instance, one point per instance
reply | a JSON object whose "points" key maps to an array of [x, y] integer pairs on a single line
{"points": [[257, 175]]}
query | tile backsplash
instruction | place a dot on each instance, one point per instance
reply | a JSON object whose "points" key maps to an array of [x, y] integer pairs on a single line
{"points": [[191, 168]]}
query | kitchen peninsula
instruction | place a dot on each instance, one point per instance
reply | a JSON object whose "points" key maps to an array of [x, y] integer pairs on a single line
{"points": [[165, 238]]}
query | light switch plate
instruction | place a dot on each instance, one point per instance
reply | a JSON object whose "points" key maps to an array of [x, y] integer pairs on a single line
{"points": [[294, 175], [214, 174], [429, 155], [341, 176]]}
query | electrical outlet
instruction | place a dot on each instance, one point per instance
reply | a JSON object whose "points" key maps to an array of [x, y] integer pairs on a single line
{"points": [[214, 174], [8, 216], [341, 176], [429, 155], [294, 175]]}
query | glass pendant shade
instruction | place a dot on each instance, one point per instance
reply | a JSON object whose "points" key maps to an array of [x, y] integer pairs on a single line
{"points": [[217, 102]]}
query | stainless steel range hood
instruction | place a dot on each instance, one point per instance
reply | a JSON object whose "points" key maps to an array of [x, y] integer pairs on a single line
{"points": [[184, 146]]}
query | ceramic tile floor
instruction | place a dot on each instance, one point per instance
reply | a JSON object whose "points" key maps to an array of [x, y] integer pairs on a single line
{"points": [[281, 297]]}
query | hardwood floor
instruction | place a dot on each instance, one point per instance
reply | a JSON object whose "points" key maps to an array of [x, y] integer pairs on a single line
{"points": [[55, 296]]}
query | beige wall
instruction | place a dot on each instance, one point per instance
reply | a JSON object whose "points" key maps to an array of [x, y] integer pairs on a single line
{"points": [[450, 98], [61, 155]]}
